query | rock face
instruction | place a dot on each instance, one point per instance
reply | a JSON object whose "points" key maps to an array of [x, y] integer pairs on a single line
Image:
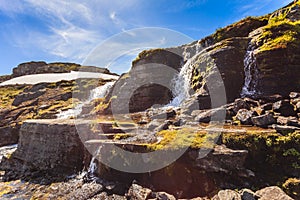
{"points": [[248, 55], [44, 68], [40, 101], [43, 146]]}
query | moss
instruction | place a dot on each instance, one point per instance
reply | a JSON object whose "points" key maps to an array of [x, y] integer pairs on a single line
{"points": [[145, 54], [279, 35], [272, 155], [292, 187], [8, 94], [240, 29], [183, 138], [5, 190]]}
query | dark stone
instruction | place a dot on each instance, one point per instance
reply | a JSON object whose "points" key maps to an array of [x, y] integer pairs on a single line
{"points": [[214, 115], [285, 108], [263, 120], [23, 97]]}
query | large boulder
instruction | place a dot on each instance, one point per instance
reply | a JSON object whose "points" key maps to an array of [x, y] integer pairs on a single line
{"points": [[50, 145], [273, 192]]}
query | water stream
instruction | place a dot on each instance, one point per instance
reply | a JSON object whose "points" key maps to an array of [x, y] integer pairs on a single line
{"points": [[251, 73], [98, 92], [182, 81]]}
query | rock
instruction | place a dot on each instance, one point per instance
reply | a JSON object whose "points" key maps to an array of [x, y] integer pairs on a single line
{"points": [[227, 195], [168, 114], [196, 102], [9, 135], [86, 191], [285, 130], [294, 95], [163, 196], [290, 121], [62, 149], [263, 120], [273, 192], [43, 68], [137, 192], [270, 98], [245, 103], [221, 159], [247, 194], [285, 108], [244, 116], [266, 107], [164, 126], [292, 187], [213, 115], [23, 97], [5, 78]]}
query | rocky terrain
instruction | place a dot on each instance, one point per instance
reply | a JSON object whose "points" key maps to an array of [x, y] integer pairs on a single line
{"points": [[232, 116]]}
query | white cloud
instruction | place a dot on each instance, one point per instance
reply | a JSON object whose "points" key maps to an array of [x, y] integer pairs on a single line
{"points": [[74, 27]]}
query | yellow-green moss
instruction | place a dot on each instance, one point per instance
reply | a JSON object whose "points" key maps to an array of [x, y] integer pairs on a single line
{"points": [[146, 53], [279, 34], [236, 30], [183, 138], [8, 94], [292, 186]]}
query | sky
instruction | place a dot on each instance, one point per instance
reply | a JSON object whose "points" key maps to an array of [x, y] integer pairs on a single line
{"points": [[69, 30]]}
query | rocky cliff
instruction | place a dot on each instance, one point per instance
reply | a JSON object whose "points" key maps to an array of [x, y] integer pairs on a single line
{"points": [[249, 140], [250, 55]]}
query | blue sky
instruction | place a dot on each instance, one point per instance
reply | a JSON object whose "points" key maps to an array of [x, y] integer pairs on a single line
{"points": [[67, 30]]}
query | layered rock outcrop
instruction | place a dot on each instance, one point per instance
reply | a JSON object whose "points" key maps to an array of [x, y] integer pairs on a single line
{"points": [[44, 68], [250, 55]]}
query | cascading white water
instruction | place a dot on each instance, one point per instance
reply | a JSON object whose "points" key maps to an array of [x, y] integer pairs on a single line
{"points": [[182, 81], [251, 73], [181, 84], [98, 92]]}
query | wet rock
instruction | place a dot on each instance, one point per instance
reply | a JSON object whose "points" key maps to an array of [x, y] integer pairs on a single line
{"points": [[137, 192], [270, 98], [247, 194], [267, 107], [213, 115], [263, 120], [285, 108], [273, 192], [244, 116], [285, 130], [290, 121], [245, 103]]}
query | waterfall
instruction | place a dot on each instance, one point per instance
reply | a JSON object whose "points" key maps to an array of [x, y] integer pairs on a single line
{"points": [[98, 92], [181, 83], [251, 73]]}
